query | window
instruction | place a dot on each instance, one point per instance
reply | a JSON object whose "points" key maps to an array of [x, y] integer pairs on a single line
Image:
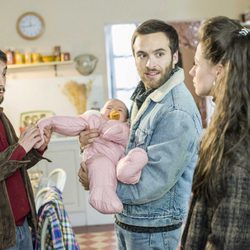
{"points": [[122, 74]]}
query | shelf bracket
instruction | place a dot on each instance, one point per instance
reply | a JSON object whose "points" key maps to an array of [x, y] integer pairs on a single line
{"points": [[55, 70]]}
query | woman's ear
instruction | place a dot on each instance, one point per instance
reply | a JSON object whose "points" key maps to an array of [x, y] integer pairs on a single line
{"points": [[219, 70]]}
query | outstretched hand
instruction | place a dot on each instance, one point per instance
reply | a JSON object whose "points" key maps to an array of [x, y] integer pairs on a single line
{"points": [[47, 132], [29, 138]]}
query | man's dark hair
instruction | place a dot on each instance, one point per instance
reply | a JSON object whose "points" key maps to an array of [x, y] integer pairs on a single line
{"points": [[154, 26], [3, 57]]}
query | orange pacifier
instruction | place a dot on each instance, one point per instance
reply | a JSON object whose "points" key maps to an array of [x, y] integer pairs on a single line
{"points": [[114, 115]]}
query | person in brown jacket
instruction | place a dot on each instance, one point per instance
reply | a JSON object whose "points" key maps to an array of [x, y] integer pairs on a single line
{"points": [[219, 215], [17, 208]]}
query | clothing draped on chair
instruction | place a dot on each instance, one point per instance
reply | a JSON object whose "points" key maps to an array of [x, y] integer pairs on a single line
{"points": [[59, 233]]}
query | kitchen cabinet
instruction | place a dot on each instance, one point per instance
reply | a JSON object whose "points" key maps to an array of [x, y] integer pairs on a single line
{"points": [[64, 153]]}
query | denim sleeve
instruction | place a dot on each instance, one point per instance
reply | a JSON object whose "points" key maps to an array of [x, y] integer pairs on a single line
{"points": [[170, 150]]}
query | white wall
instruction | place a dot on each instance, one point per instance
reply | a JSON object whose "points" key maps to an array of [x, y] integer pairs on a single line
{"points": [[48, 94], [78, 25]]}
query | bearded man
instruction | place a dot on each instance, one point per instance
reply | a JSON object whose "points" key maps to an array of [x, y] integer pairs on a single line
{"points": [[165, 122]]}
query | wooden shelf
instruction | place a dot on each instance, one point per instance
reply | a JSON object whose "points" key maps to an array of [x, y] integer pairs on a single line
{"points": [[42, 64], [32, 65]]}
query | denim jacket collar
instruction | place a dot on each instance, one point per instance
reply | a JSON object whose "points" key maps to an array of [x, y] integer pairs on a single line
{"points": [[157, 95], [160, 93]]}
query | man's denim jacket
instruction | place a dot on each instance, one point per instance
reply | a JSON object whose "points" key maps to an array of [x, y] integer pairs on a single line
{"points": [[168, 127]]}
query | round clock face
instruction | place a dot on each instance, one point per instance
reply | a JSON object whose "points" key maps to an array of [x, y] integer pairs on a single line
{"points": [[30, 25]]}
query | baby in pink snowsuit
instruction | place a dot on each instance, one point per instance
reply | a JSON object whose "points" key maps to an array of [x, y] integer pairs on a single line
{"points": [[104, 158]]}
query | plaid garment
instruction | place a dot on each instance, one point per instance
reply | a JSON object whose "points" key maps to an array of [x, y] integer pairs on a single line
{"points": [[59, 232]]}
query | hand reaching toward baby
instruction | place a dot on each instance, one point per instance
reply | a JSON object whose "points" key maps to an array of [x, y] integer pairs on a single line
{"points": [[29, 138], [45, 138]]}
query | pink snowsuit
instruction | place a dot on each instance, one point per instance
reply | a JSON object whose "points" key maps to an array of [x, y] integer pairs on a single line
{"points": [[104, 158]]}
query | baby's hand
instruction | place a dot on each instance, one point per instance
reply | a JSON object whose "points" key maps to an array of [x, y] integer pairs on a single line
{"points": [[44, 126], [45, 138]]}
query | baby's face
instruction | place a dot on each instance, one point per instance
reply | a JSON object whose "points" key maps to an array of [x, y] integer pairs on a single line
{"points": [[115, 110]]}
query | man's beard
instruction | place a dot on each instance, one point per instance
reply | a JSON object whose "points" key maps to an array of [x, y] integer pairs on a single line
{"points": [[166, 75], [156, 84]]}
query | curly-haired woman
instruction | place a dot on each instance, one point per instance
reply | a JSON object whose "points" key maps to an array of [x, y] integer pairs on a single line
{"points": [[219, 215]]}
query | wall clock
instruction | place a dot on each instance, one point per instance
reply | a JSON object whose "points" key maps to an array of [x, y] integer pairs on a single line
{"points": [[30, 25]]}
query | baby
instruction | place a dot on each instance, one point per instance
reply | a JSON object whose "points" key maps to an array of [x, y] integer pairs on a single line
{"points": [[104, 158]]}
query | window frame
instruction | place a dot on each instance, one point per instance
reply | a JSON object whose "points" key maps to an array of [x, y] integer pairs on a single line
{"points": [[110, 61]]}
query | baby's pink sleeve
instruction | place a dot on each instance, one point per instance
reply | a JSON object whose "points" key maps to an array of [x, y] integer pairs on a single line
{"points": [[129, 167], [118, 133], [65, 125]]}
